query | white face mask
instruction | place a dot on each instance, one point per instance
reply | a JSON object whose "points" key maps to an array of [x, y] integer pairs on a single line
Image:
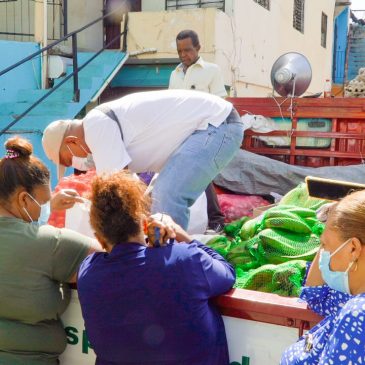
{"points": [[44, 214], [338, 280], [82, 163]]}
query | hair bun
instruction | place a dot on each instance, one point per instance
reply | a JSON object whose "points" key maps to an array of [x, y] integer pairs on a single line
{"points": [[19, 145]]}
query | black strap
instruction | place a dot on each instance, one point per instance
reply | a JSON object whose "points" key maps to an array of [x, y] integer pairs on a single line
{"points": [[110, 113]]}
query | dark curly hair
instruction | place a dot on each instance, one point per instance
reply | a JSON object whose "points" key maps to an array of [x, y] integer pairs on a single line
{"points": [[19, 168], [117, 206]]}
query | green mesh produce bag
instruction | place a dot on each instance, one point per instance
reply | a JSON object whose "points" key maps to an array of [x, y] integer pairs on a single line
{"points": [[300, 198], [284, 279], [269, 252]]}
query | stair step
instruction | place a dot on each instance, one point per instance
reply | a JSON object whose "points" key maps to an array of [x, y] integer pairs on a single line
{"points": [[85, 82], [26, 95], [91, 69], [31, 123], [46, 107]]}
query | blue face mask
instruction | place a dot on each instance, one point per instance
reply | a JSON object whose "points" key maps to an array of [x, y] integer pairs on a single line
{"points": [[338, 280], [44, 214]]}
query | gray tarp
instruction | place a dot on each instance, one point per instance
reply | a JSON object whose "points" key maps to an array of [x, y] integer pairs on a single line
{"points": [[249, 173]]}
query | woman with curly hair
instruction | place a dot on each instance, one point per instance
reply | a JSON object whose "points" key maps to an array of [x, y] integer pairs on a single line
{"points": [[144, 304]]}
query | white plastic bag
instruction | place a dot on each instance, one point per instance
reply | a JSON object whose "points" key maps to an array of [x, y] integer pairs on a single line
{"points": [[198, 211], [198, 216], [77, 219]]}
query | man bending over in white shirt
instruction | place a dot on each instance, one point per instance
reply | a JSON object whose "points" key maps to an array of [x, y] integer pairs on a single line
{"points": [[187, 136]]}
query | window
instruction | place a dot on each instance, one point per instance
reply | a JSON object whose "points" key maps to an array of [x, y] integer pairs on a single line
{"points": [[191, 4], [264, 3], [324, 30], [298, 15]]}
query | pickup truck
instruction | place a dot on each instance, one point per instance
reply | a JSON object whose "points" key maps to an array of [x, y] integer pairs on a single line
{"points": [[259, 325]]}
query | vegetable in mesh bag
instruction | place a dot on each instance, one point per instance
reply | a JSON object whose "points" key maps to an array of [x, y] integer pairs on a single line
{"points": [[289, 277], [278, 246], [284, 279], [233, 228], [299, 197], [240, 256], [311, 221], [299, 211], [259, 279], [286, 220], [220, 244], [250, 228]]}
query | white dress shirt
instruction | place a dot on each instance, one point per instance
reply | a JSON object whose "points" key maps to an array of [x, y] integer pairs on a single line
{"points": [[200, 76], [154, 124]]}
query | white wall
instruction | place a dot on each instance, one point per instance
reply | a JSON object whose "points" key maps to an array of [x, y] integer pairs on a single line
{"points": [[246, 44], [159, 30], [265, 35], [81, 12]]}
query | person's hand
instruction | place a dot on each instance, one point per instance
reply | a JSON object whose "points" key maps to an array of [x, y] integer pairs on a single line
{"points": [[323, 212], [65, 199], [161, 228]]}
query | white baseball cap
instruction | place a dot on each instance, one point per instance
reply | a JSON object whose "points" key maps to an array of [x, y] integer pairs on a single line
{"points": [[52, 139]]}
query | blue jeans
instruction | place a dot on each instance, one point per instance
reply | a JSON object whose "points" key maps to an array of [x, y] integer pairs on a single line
{"points": [[193, 166]]}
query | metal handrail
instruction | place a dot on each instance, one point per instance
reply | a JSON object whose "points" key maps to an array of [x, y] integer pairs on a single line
{"points": [[44, 49], [76, 69], [51, 91]]}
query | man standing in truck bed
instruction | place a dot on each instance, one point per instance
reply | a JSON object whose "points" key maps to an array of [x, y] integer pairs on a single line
{"points": [[186, 136]]}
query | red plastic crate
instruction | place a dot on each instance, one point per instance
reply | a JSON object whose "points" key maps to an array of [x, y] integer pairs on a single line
{"points": [[347, 134]]}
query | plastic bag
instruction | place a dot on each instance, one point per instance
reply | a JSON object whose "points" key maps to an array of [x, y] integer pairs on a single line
{"points": [[80, 183], [198, 216], [235, 206], [77, 219]]}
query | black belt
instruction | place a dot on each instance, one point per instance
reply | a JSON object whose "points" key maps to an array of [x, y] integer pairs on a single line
{"points": [[110, 113]]}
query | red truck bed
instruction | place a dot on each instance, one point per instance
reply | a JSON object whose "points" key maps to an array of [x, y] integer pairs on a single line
{"points": [[347, 135]]}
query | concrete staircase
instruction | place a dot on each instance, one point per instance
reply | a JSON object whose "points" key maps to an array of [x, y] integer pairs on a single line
{"points": [[356, 56], [60, 105]]}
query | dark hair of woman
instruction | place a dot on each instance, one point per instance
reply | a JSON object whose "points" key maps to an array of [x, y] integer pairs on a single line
{"points": [[19, 168], [118, 206]]}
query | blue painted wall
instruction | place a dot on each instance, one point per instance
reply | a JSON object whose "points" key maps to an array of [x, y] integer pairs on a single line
{"points": [[340, 46], [27, 75], [21, 89], [143, 76]]}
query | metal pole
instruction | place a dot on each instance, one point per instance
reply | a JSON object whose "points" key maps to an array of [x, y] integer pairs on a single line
{"points": [[45, 40], [76, 97], [124, 45], [65, 31]]}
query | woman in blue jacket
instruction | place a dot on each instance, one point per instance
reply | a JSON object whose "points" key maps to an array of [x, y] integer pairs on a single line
{"points": [[143, 304], [335, 289]]}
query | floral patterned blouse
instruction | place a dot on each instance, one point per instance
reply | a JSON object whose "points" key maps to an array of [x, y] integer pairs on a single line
{"points": [[339, 339]]}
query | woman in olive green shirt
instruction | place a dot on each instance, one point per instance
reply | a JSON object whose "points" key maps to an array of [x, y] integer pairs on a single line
{"points": [[35, 262]]}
